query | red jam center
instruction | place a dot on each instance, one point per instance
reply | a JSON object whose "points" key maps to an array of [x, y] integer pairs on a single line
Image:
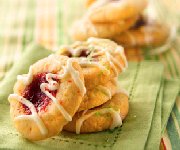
{"points": [[84, 53], [34, 94]]}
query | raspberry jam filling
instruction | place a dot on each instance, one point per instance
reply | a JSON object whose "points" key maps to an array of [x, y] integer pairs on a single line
{"points": [[34, 94], [84, 53]]}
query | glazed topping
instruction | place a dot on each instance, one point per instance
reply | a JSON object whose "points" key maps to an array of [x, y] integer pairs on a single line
{"points": [[75, 75], [41, 91], [34, 116], [86, 63], [86, 57], [34, 94], [120, 50], [53, 85], [90, 53], [79, 52], [117, 121]]}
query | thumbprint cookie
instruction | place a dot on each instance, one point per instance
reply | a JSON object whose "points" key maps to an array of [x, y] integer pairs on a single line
{"points": [[46, 98]]}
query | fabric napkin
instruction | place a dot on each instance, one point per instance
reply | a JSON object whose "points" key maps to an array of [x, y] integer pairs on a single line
{"points": [[154, 136], [147, 92], [172, 88], [166, 99], [142, 80]]}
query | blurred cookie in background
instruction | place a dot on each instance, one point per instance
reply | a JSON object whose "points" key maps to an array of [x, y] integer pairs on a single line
{"points": [[89, 3], [113, 17], [100, 11], [84, 28], [144, 33]]}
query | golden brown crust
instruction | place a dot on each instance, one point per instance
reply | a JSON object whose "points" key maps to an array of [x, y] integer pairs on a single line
{"points": [[83, 29], [146, 35], [112, 11], [68, 96], [98, 96], [100, 122], [93, 75]]}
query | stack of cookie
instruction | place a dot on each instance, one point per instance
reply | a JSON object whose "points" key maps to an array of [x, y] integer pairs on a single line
{"points": [[101, 60], [121, 21], [146, 32], [75, 89]]}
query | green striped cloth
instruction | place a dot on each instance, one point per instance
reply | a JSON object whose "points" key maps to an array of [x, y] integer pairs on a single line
{"points": [[47, 22]]}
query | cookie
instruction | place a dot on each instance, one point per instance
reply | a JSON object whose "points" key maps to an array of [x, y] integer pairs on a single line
{"points": [[100, 59], [46, 98], [83, 29], [89, 2], [106, 116], [101, 11], [143, 34], [98, 95]]}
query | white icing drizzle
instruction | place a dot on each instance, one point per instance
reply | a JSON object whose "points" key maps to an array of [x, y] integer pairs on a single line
{"points": [[51, 85], [34, 116], [85, 62], [114, 63], [120, 50], [98, 53], [117, 121], [105, 90], [74, 52], [26, 79], [109, 57], [75, 75]]}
